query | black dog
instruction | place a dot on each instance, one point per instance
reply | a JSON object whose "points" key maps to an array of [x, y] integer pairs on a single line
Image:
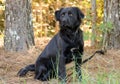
{"points": [[66, 46]]}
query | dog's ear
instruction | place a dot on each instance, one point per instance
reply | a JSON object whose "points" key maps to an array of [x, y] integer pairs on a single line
{"points": [[57, 15], [79, 13]]}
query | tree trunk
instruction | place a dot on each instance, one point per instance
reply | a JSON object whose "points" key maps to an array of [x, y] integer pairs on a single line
{"points": [[18, 25], [112, 14], [94, 16]]}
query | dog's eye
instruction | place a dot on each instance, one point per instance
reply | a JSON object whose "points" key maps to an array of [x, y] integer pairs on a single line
{"points": [[70, 14], [63, 14]]}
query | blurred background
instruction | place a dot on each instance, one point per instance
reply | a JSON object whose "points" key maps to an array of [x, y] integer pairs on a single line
{"points": [[44, 21]]}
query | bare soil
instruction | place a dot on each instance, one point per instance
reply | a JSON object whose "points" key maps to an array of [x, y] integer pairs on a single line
{"points": [[12, 62]]}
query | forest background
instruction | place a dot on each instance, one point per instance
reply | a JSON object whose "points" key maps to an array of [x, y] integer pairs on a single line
{"points": [[102, 19], [44, 23]]}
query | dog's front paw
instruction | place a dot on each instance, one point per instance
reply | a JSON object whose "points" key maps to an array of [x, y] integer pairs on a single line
{"points": [[22, 72], [43, 79], [62, 78]]}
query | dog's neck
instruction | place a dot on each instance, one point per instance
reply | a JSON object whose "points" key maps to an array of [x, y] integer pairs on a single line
{"points": [[69, 35]]}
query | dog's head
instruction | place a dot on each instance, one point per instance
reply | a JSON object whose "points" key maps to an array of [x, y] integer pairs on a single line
{"points": [[69, 17]]}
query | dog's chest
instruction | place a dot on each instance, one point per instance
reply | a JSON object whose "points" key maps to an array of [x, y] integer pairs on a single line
{"points": [[68, 54], [69, 36]]}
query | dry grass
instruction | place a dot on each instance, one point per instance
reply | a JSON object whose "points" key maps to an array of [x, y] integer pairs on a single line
{"points": [[10, 63]]}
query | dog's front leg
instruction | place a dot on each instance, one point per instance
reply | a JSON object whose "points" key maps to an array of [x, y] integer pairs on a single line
{"points": [[62, 69], [78, 61]]}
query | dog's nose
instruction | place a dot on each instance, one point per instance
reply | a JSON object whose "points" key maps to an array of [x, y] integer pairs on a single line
{"points": [[64, 22]]}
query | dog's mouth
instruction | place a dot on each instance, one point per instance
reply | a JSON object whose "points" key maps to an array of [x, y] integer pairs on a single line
{"points": [[66, 26]]}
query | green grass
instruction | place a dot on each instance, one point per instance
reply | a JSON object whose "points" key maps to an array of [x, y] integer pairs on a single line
{"points": [[101, 78], [88, 77]]}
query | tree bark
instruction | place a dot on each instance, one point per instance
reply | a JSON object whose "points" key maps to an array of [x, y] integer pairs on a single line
{"points": [[19, 34], [94, 16], [112, 14]]}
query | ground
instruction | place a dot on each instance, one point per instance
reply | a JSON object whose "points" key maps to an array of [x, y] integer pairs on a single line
{"points": [[12, 62]]}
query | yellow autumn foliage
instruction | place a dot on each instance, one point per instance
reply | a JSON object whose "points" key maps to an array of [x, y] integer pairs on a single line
{"points": [[43, 15]]}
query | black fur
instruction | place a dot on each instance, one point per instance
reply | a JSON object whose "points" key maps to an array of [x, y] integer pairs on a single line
{"points": [[58, 51]]}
